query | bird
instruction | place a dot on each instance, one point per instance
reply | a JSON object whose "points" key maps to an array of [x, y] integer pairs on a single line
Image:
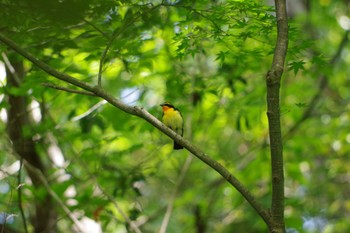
{"points": [[173, 119]]}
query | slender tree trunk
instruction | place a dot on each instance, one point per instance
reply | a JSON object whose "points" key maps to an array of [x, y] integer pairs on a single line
{"points": [[44, 219], [273, 80]]}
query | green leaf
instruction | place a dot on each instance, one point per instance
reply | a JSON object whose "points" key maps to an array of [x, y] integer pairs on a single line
{"points": [[296, 66], [221, 56]]}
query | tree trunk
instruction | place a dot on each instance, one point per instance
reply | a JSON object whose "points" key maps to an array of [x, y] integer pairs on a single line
{"points": [[273, 81], [45, 217]]}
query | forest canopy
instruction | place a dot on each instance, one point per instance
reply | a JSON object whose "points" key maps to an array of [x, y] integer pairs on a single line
{"points": [[72, 161]]}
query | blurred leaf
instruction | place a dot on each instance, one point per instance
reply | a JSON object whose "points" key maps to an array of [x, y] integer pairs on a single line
{"points": [[296, 66]]}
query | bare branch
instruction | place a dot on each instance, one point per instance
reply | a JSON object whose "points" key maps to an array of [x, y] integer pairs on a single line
{"points": [[68, 89], [19, 191]]}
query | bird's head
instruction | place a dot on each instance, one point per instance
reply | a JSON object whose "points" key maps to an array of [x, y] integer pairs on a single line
{"points": [[166, 105]]}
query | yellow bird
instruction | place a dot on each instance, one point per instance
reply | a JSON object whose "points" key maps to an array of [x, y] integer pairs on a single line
{"points": [[173, 119]]}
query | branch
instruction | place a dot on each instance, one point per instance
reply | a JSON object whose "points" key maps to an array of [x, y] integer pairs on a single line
{"points": [[50, 85], [19, 190], [10, 68], [142, 113], [96, 28], [89, 111], [42, 65]]}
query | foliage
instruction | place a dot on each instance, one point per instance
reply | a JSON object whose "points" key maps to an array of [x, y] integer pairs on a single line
{"points": [[209, 58]]}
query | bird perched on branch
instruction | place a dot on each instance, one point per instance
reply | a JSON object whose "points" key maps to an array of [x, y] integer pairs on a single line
{"points": [[173, 119]]}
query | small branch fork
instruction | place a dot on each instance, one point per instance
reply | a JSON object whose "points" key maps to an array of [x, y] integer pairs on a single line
{"points": [[142, 113]]}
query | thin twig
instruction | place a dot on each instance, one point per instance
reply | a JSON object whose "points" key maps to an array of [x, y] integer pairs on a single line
{"points": [[89, 111], [19, 190], [96, 28], [7, 216], [50, 85], [10, 68], [115, 34], [173, 197], [119, 209]]}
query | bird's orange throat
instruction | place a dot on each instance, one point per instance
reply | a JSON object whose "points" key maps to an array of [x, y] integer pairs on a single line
{"points": [[165, 108]]}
